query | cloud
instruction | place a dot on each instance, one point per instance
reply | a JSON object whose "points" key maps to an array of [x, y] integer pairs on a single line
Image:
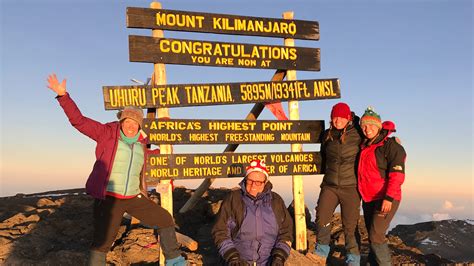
{"points": [[446, 211], [441, 216], [449, 206]]}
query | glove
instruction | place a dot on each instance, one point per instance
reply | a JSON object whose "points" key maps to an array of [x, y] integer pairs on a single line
{"points": [[279, 257], [232, 258]]}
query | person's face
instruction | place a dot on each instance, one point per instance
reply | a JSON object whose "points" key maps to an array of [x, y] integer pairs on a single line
{"points": [[370, 130], [255, 182], [130, 127], [339, 122]]}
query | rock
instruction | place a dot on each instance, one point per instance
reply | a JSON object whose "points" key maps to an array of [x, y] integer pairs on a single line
{"points": [[214, 208], [18, 219], [138, 246], [451, 239], [34, 247], [45, 202], [65, 257], [59, 232], [5, 248], [28, 208]]}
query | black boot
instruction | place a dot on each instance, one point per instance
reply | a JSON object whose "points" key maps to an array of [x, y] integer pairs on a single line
{"points": [[382, 254], [169, 243], [97, 258]]}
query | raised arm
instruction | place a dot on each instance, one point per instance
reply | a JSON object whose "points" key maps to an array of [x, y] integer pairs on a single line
{"points": [[85, 125]]}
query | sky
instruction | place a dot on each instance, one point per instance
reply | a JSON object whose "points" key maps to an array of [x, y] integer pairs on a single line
{"points": [[410, 60]]}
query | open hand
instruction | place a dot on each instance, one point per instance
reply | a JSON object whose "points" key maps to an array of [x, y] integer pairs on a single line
{"points": [[386, 206], [54, 85]]}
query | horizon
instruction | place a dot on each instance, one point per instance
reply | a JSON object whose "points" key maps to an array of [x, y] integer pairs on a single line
{"points": [[411, 60]]}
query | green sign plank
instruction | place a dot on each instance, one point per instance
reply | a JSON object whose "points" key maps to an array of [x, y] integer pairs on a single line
{"points": [[185, 131], [177, 20], [222, 54], [179, 95], [222, 165]]}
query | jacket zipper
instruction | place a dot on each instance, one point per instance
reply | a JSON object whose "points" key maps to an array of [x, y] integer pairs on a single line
{"points": [[128, 172], [109, 170], [339, 156]]}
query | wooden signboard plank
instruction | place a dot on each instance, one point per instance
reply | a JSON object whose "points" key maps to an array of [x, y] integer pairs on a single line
{"points": [[186, 131], [177, 20], [225, 165], [179, 95], [222, 54]]}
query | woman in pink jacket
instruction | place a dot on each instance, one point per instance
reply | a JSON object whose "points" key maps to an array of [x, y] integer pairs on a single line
{"points": [[116, 181]]}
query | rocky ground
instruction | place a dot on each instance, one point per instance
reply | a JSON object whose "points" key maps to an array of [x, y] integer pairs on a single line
{"points": [[55, 228], [452, 239]]}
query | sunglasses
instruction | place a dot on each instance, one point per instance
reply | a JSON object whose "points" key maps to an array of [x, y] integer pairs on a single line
{"points": [[254, 182]]}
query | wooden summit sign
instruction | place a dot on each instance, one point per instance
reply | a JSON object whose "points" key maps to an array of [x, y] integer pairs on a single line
{"points": [[147, 18], [206, 53], [222, 165], [185, 131], [178, 95]]}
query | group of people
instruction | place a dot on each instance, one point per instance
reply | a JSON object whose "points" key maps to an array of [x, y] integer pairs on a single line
{"points": [[253, 226], [360, 161]]}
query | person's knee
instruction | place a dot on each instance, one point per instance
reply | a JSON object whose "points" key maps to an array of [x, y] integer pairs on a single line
{"points": [[377, 238]]}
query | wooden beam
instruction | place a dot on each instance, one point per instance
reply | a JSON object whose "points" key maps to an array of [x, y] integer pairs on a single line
{"points": [[178, 20], [227, 165], [205, 94], [192, 131], [298, 192], [221, 54]]}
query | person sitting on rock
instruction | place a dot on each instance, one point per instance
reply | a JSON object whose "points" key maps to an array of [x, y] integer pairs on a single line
{"points": [[116, 181], [253, 226]]}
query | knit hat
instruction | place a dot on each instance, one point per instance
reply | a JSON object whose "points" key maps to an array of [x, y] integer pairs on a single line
{"points": [[389, 126], [371, 117], [131, 112], [257, 166], [341, 110]]}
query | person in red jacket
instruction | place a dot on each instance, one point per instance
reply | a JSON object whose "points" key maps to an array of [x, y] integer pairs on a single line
{"points": [[116, 181], [381, 173]]}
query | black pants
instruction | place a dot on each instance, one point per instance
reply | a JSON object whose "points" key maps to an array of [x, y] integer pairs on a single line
{"points": [[376, 222], [349, 199], [108, 215]]}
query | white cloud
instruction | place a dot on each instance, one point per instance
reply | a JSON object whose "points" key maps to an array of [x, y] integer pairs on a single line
{"points": [[449, 206], [441, 216]]}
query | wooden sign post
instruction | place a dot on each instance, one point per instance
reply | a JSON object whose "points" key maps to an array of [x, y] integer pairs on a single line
{"points": [[298, 192], [160, 96], [159, 73]]}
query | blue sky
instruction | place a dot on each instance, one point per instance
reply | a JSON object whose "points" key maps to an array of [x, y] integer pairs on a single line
{"points": [[411, 60]]}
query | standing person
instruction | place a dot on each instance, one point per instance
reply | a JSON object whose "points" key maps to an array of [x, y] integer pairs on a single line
{"points": [[116, 181], [381, 174], [253, 226], [339, 150]]}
